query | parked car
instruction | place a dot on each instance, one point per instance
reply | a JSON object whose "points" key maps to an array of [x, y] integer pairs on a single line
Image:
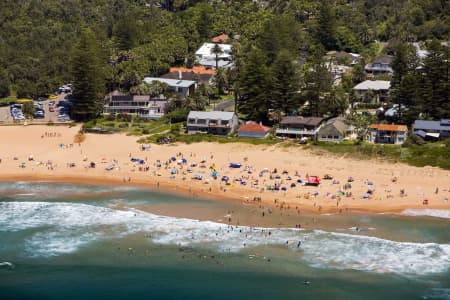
{"points": [[51, 108], [39, 114], [63, 117]]}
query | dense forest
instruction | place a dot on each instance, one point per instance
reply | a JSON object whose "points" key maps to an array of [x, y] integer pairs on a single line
{"points": [[278, 49]]}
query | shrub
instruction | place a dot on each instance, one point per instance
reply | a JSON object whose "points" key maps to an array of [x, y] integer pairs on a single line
{"points": [[124, 117]]}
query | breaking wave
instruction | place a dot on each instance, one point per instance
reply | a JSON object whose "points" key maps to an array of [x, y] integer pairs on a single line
{"points": [[437, 213], [61, 228]]}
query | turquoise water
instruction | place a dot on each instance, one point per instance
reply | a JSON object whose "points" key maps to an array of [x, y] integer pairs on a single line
{"points": [[62, 241]]}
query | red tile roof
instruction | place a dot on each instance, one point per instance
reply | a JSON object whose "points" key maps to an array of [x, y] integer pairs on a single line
{"points": [[252, 126], [195, 69], [389, 127], [223, 38]]}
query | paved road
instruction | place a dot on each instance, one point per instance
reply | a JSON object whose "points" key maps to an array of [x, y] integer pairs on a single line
{"points": [[224, 105]]}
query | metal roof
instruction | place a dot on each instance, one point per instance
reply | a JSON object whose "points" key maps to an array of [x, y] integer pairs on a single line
{"points": [[212, 115], [311, 121], [373, 85], [432, 125], [171, 82]]}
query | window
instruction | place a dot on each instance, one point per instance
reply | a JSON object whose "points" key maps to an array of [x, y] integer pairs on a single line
{"points": [[224, 122], [201, 121], [191, 121], [336, 137]]}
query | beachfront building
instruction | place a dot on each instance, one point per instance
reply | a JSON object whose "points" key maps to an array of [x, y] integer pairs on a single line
{"points": [[334, 130], [214, 122], [381, 65], [199, 74], [254, 130], [142, 105], [182, 88], [432, 129], [299, 127], [387, 134], [372, 91], [207, 58]]}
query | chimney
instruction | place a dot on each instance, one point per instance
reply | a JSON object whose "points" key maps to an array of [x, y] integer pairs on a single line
{"points": [[180, 76]]}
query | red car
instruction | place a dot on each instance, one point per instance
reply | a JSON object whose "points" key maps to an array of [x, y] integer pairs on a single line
{"points": [[51, 108]]}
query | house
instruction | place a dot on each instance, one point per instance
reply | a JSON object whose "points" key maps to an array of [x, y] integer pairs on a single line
{"points": [[372, 91], [343, 58], [380, 65], [432, 129], [295, 126], [220, 39], [142, 105], [183, 88], [387, 134], [334, 130], [253, 129], [207, 58], [199, 74], [214, 122]]}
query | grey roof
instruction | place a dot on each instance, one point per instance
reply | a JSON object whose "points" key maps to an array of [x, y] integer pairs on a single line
{"points": [[375, 85], [212, 115], [311, 121], [383, 59], [171, 82], [335, 125], [442, 125]]}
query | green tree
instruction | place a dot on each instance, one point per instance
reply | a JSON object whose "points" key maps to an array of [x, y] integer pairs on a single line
{"points": [[403, 84], [435, 82], [88, 77], [318, 82], [216, 50], [28, 109], [4, 84], [254, 86], [285, 83], [326, 24]]}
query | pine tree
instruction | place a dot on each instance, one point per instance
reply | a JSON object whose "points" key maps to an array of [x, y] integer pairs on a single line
{"points": [[254, 86], [285, 83], [88, 77], [403, 84], [436, 82], [325, 31]]}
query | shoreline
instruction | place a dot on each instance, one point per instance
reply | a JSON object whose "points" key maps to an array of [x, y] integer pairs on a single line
{"points": [[168, 189], [52, 154]]}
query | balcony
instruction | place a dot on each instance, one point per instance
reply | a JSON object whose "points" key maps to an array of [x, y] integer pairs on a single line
{"points": [[296, 131]]}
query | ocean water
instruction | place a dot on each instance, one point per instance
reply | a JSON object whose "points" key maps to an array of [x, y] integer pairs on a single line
{"points": [[63, 241]]}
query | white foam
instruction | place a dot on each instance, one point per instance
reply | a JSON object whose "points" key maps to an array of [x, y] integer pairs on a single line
{"points": [[66, 227], [437, 213]]}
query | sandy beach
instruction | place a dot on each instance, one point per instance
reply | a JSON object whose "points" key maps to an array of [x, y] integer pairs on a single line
{"points": [[270, 176]]}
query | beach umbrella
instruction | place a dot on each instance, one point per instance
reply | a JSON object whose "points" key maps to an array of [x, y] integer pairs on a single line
{"points": [[293, 185], [284, 188], [173, 158], [184, 160]]}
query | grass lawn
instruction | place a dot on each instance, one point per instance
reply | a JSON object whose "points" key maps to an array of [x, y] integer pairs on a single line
{"points": [[429, 154]]}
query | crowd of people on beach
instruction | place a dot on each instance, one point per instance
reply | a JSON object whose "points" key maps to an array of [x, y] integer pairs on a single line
{"points": [[204, 174]]}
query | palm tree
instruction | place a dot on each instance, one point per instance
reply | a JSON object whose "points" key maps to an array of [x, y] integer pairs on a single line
{"points": [[216, 50]]}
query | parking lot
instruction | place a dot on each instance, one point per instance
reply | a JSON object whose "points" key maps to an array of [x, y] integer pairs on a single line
{"points": [[50, 115]]}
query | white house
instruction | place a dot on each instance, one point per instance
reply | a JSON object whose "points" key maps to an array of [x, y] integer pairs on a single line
{"points": [[215, 122], [387, 134], [183, 88], [380, 89], [206, 58]]}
